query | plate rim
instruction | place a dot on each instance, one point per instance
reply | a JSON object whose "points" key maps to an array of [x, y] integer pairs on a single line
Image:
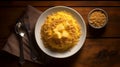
{"points": [[73, 10]]}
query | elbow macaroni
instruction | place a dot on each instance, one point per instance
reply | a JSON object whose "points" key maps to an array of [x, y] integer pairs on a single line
{"points": [[60, 32]]}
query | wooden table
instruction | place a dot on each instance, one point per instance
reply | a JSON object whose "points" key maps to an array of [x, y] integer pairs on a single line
{"points": [[101, 48]]}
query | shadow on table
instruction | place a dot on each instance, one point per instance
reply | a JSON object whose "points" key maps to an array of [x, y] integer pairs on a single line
{"points": [[64, 62], [96, 32]]}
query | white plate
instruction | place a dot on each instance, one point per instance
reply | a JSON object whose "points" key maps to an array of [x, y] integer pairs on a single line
{"points": [[41, 21]]}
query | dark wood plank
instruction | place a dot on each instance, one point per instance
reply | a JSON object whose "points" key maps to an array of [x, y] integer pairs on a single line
{"points": [[99, 53], [8, 18], [111, 29], [56, 3], [101, 48], [9, 15], [94, 53]]}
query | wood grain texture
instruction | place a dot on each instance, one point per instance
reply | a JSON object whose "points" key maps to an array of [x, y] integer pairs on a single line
{"points": [[9, 15], [101, 48], [94, 53], [56, 3]]}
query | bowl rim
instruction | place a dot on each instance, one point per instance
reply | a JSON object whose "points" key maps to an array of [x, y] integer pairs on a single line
{"points": [[84, 25], [98, 9]]}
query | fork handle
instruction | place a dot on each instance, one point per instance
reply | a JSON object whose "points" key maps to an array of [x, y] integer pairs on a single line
{"points": [[32, 50], [21, 58]]}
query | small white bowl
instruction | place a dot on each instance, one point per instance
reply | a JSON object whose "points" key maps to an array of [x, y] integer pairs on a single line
{"points": [[95, 23]]}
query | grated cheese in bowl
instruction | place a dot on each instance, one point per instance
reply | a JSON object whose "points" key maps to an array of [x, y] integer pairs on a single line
{"points": [[97, 18]]}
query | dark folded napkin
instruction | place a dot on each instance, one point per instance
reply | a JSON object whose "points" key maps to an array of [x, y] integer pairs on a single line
{"points": [[12, 45]]}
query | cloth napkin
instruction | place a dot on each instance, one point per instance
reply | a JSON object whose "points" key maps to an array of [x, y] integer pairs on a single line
{"points": [[30, 15]]}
